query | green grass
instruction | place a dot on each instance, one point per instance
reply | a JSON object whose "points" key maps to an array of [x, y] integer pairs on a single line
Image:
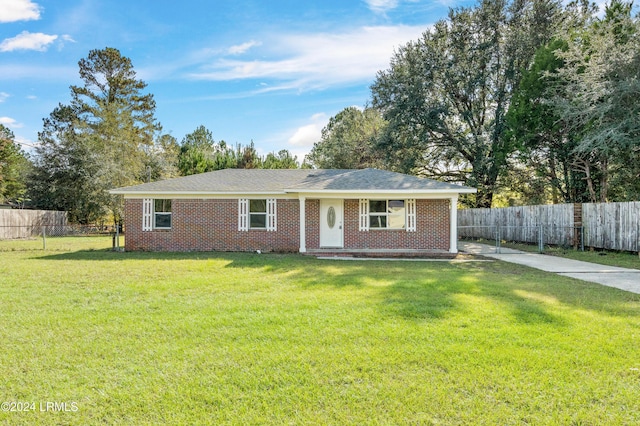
{"points": [[206, 338], [603, 257], [88, 242]]}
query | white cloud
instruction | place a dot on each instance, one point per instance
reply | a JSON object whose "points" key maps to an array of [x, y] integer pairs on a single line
{"points": [[316, 60], [3, 96], [63, 39], [27, 41], [381, 6], [307, 135], [10, 122], [67, 37], [26, 143], [242, 48], [19, 10]]}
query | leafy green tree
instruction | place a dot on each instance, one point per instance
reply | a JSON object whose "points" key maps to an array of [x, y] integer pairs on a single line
{"points": [[200, 153], [196, 152], [282, 160], [100, 141], [248, 157], [162, 158], [446, 95], [349, 141], [66, 168], [225, 157], [116, 119], [114, 114], [14, 166], [546, 163], [598, 95]]}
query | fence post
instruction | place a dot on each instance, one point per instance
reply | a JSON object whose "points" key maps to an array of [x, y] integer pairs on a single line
{"points": [[540, 240], [44, 238], [581, 238], [498, 239]]}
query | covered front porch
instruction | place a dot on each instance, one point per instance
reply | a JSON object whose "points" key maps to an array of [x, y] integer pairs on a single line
{"points": [[344, 225]]}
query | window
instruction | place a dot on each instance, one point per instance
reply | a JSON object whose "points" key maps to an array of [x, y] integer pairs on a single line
{"points": [[156, 214], [257, 214], [386, 214], [162, 214]]}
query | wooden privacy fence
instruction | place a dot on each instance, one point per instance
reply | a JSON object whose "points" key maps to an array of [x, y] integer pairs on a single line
{"points": [[613, 226], [24, 223], [520, 223]]}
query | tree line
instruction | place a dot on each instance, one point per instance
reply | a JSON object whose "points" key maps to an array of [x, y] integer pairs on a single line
{"points": [[107, 137], [529, 101]]}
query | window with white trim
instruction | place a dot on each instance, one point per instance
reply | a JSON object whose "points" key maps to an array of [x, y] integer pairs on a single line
{"points": [[156, 214], [162, 214], [257, 214], [388, 214]]}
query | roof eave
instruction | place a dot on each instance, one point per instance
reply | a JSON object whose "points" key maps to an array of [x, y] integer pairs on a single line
{"points": [[198, 193], [295, 191], [377, 191]]}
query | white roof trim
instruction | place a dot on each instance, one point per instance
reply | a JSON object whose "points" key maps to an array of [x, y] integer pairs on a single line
{"points": [[385, 191], [421, 194], [192, 193]]}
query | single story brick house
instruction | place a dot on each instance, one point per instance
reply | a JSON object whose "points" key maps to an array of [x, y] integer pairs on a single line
{"points": [[298, 210]]}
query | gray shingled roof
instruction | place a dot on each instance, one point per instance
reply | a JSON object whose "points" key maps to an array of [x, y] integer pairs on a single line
{"points": [[291, 180]]}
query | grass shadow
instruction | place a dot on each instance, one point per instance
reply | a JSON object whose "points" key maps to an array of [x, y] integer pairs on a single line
{"points": [[411, 290], [525, 288], [417, 290], [110, 255]]}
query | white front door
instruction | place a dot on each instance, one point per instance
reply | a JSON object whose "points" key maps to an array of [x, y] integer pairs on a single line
{"points": [[331, 218]]}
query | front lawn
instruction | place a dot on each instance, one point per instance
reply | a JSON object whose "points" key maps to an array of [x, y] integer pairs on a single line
{"points": [[206, 338]]}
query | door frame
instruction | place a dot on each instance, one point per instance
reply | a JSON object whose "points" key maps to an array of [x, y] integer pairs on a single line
{"points": [[325, 204]]}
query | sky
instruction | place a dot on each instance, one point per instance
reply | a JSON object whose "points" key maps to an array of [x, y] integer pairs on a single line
{"points": [[271, 71]]}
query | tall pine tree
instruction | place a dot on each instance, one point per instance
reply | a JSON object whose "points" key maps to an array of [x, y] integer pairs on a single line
{"points": [[99, 141]]}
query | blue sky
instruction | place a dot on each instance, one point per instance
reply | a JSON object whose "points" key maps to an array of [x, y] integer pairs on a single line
{"points": [[269, 71]]}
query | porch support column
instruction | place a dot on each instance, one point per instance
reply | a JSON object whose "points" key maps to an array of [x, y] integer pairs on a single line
{"points": [[453, 225], [303, 230]]}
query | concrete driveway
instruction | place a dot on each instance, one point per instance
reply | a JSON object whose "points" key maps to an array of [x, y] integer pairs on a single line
{"points": [[611, 276]]}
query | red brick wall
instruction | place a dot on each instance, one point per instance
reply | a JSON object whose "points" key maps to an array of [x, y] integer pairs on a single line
{"points": [[432, 229], [212, 225], [312, 226]]}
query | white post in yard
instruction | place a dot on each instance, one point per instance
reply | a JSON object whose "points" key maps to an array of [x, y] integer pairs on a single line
{"points": [[453, 225], [303, 231]]}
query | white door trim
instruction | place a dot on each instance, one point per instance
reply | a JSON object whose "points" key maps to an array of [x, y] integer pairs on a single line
{"points": [[331, 223]]}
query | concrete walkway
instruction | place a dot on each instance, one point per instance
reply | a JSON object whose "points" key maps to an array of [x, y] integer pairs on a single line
{"points": [[612, 276]]}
